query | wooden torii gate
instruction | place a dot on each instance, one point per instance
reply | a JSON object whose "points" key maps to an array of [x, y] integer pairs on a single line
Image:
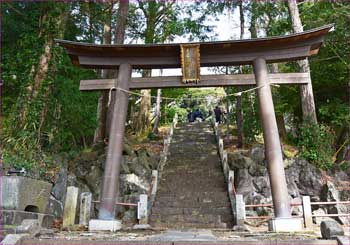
{"points": [[256, 52]]}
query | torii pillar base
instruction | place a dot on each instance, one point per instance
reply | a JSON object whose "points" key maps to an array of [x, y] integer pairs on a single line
{"points": [[104, 225], [285, 224]]}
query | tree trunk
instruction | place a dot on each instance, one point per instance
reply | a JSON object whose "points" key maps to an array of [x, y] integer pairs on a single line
{"points": [[39, 73], [119, 39], [306, 93], [158, 112], [142, 123], [239, 112], [122, 21], [39, 76], [253, 18], [101, 130]]}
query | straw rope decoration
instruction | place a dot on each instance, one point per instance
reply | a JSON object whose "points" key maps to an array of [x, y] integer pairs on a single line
{"points": [[189, 99]]}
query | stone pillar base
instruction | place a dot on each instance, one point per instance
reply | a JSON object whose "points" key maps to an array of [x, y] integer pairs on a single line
{"points": [[285, 224], [104, 225]]}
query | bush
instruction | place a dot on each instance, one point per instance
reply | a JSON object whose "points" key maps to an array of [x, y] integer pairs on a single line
{"points": [[315, 144]]}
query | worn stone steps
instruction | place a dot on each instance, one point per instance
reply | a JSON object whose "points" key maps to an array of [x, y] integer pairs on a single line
{"points": [[192, 192], [222, 195], [187, 185], [194, 201], [182, 225], [222, 211], [200, 218], [189, 189], [214, 203], [210, 175]]}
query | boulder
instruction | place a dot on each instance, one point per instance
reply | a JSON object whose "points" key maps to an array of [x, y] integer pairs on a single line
{"points": [[138, 168], [237, 160], [307, 177], [331, 194], [60, 182], [297, 210], [262, 185], [257, 153], [130, 216], [244, 184], [131, 183], [28, 226], [319, 220], [55, 207], [330, 229]]}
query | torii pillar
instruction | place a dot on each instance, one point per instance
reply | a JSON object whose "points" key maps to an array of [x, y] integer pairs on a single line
{"points": [[110, 183], [273, 153]]}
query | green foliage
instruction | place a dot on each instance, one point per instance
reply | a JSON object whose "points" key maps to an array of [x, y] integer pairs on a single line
{"points": [[335, 112], [251, 120], [173, 109], [315, 144]]}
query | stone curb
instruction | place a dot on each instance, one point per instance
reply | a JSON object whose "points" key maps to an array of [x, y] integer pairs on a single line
{"points": [[12, 239]]}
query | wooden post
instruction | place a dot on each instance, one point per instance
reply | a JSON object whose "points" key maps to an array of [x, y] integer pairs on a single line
{"points": [[110, 184], [272, 143]]}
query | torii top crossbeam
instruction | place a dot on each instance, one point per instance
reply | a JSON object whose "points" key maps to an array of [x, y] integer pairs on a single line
{"points": [[221, 53]]}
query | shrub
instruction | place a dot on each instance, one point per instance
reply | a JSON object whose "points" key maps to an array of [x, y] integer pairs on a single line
{"points": [[315, 144]]}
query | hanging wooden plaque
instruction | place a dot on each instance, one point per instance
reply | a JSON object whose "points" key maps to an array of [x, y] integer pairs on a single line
{"points": [[190, 63]]}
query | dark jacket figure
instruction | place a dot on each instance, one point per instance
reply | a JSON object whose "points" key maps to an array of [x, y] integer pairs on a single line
{"points": [[190, 117], [218, 114], [198, 114]]}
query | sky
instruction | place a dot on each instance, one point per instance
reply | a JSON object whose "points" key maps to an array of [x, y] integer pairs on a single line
{"points": [[227, 28]]}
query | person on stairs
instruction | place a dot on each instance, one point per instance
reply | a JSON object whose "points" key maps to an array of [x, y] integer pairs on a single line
{"points": [[198, 114], [218, 114]]}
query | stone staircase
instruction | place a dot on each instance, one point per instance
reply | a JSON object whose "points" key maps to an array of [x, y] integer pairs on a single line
{"points": [[192, 192]]}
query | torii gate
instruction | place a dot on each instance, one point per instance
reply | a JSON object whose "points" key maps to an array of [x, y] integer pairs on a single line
{"points": [[256, 52]]}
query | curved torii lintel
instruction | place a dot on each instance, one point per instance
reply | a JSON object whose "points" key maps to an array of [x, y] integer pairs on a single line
{"points": [[233, 52]]}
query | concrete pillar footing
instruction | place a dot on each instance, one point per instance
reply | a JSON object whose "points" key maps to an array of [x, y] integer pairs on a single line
{"points": [[104, 225], [285, 224]]}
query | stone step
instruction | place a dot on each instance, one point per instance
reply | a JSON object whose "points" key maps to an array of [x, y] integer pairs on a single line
{"points": [[177, 218], [216, 194], [195, 165], [199, 162], [205, 180], [217, 170], [194, 168], [222, 211], [191, 189], [193, 203], [200, 199], [175, 187], [194, 177], [193, 158], [182, 225]]}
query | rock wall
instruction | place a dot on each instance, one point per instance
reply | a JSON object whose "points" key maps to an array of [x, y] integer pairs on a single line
{"points": [[85, 171], [303, 179]]}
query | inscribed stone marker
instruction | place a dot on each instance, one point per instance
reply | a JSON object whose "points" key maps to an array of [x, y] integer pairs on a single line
{"points": [[70, 206]]}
